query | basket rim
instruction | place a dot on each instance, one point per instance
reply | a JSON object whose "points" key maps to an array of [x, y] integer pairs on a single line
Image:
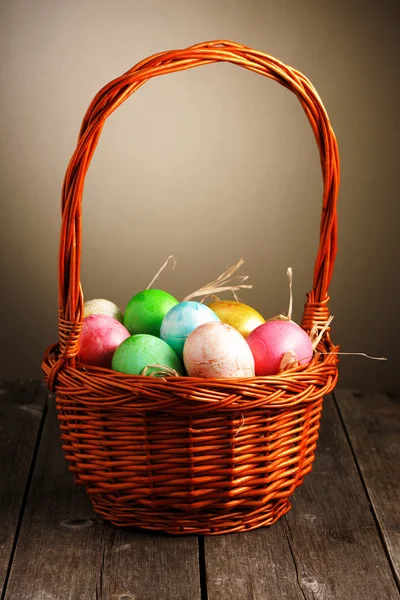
{"points": [[100, 388]]}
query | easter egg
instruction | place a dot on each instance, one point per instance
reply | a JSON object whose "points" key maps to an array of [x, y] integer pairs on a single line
{"points": [[146, 310], [141, 350], [216, 350], [99, 306], [272, 340], [181, 320], [242, 317], [100, 336]]}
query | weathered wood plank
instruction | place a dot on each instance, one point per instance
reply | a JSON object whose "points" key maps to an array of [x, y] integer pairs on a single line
{"points": [[21, 412], [327, 547], [65, 552], [255, 565], [332, 531], [372, 422]]}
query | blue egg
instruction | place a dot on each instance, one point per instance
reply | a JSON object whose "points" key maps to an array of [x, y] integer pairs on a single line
{"points": [[181, 320]]}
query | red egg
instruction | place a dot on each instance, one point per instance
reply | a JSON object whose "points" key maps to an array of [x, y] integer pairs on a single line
{"points": [[270, 341], [101, 335]]}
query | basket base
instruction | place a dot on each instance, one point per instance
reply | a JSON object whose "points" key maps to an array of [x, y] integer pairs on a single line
{"points": [[185, 524]]}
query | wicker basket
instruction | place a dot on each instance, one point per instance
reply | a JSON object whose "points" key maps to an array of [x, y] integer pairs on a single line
{"points": [[180, 454]]}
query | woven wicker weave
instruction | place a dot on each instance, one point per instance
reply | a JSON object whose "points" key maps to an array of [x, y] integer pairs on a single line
{"points": [[180, 454]]}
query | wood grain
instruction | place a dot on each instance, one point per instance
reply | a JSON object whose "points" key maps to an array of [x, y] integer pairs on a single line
{"points": [[327, 547], [372, 422], [21, 412], [251, 566], [65, 552], [332, 531]]}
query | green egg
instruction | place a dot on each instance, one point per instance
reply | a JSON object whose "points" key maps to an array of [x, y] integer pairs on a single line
{"points": [[146, 310], [138, 351]]}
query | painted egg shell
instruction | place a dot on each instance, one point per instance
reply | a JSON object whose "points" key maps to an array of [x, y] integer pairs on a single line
{"points": [[181, 320], [270, 341], [140, 351], [216, 350], [242, 317], [146, 310], [100, 306], [100, 337]]}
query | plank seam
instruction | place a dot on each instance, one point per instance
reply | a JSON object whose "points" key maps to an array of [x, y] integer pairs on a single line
{"points": [[288, 536], [99, 585], [364, 485], [202, 568], [25, 496]]}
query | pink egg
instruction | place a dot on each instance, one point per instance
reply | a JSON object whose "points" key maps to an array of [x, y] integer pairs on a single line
{"points": [[270, 341], [214, 350], [101, 335]]}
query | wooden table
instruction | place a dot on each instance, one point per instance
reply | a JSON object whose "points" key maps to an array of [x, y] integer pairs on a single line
{"points": [[341, 540]]}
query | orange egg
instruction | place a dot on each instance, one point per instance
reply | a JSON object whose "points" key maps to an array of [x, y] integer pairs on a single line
{"points": [[242, 317]]}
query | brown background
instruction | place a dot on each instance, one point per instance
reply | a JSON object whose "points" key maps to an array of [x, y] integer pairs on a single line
{"points": [[209, 165]]}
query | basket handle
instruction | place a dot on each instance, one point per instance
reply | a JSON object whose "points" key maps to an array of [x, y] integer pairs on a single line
{"points": [[112, 95]]}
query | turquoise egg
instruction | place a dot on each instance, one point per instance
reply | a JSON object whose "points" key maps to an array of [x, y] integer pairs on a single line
{"points": [[181, 320], [141, 350]]}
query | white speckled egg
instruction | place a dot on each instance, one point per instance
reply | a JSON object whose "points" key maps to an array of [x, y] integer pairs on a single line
{"points": [[216, 350], [100, 306]]}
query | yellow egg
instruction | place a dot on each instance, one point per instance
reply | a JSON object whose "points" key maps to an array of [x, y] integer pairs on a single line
{"points": [[237, 315]]}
